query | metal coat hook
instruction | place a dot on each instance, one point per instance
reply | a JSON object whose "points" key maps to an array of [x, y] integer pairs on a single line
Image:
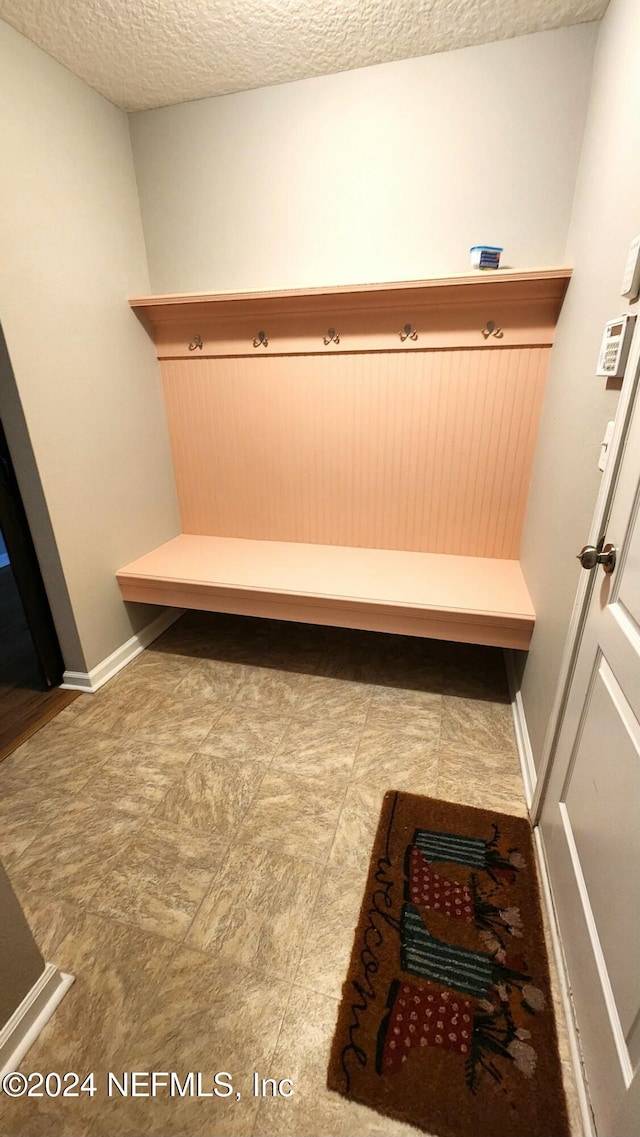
{"points": [[196, 342], [331, 336], [261, 340], [408, 333], [490, 329]]}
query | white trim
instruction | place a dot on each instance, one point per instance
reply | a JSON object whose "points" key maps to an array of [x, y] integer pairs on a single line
{"points": [[91, 681], [35, 1010], [565, 987], [523, 742]]}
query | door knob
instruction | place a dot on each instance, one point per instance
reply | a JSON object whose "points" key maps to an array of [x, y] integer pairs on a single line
{"points": [[593, 555]]}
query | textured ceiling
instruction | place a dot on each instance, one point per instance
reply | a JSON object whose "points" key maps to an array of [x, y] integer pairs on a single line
{"points": [[151, 53]]}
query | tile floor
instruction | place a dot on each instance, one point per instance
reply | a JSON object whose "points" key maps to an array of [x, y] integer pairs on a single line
{"points": [[192, 842]]}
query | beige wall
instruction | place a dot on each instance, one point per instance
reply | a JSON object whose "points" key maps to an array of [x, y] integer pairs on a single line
{"points": [[385, 173], [565, 484], [86, 400], [20, 960]]}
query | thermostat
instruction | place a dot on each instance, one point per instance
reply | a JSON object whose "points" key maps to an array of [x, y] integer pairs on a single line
{"points": [[614, 348]]}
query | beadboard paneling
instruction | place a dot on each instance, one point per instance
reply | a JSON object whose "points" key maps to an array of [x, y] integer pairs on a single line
{"points": [[422, 451]]}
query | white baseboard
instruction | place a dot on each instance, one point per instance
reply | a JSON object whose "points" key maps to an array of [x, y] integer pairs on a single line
{"points": [[588, 1127], [91, 681], [30, 1017], [523, 742]]}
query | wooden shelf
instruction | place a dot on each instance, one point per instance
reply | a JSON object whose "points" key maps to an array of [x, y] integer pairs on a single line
{"points": [[470, 599], [430, 451], [446, 312]]}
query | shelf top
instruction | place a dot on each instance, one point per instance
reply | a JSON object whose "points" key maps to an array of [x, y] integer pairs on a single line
{"points": [[555, 279]]}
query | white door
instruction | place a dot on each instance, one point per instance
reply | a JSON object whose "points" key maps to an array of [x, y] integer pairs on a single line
{"points": [[590, 818]]}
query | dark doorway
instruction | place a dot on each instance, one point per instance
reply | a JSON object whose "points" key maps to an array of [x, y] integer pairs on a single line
{"points": [[31, 665]]}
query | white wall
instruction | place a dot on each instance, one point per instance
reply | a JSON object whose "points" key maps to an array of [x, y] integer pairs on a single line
{"points": [[565, 483], [385, 173], [81, 393]]}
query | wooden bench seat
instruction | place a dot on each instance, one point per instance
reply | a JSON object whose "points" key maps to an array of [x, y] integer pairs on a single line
{"points": [[471, 599]]}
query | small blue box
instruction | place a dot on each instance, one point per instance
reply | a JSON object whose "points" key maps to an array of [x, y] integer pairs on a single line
{"points": [[485, 256]]}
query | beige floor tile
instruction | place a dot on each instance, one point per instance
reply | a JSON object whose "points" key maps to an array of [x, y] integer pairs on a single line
{"points": [[167, 1116], [212, 794], [473, 671], [51, 921], [24, 813], [257, 911], [487, 780], [151, 671], [136, 775], [160, 666], [358, 1121], [477, 724], [209, 1018], [203, 1004], [327, 949], [294, 814], [404, 703], [70, 857], [242, 733], [213, 679], [326, 748], [178, 719], [118, 974], [476, 766], [61, 757], [357, 826], [166, 719], [30, 1117], [118, 980], [423, 729], [398, 760], [302, 1054], [266, 688], [160, 878], [337, 700], [410, 664], [503, 801], [200, 793], [116, 713]]}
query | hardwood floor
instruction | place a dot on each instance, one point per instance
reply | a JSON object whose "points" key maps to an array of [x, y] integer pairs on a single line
{"points": [[24, 704]]}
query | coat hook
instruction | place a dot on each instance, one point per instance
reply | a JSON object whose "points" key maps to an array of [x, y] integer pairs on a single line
{"points": [[490, 329], [408, 333], [261, 339], [332, 335], [196, 342]]}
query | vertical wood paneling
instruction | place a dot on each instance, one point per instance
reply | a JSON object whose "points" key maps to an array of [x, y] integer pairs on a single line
{"points": [[423, 451]]}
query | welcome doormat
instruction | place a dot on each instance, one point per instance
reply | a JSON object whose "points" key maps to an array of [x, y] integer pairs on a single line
{"points": [[446, 1020]]}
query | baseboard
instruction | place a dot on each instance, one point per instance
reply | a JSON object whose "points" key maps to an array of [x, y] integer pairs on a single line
{"points": [[91, 681], [523, 742], [30, 1017], [565, 992]]}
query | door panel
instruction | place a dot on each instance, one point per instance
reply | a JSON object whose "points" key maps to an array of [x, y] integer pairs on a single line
{"points": [[590, 818], [610, 854]]}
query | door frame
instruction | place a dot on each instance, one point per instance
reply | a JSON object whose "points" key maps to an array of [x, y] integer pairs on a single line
{"points": [[587, 581]]}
